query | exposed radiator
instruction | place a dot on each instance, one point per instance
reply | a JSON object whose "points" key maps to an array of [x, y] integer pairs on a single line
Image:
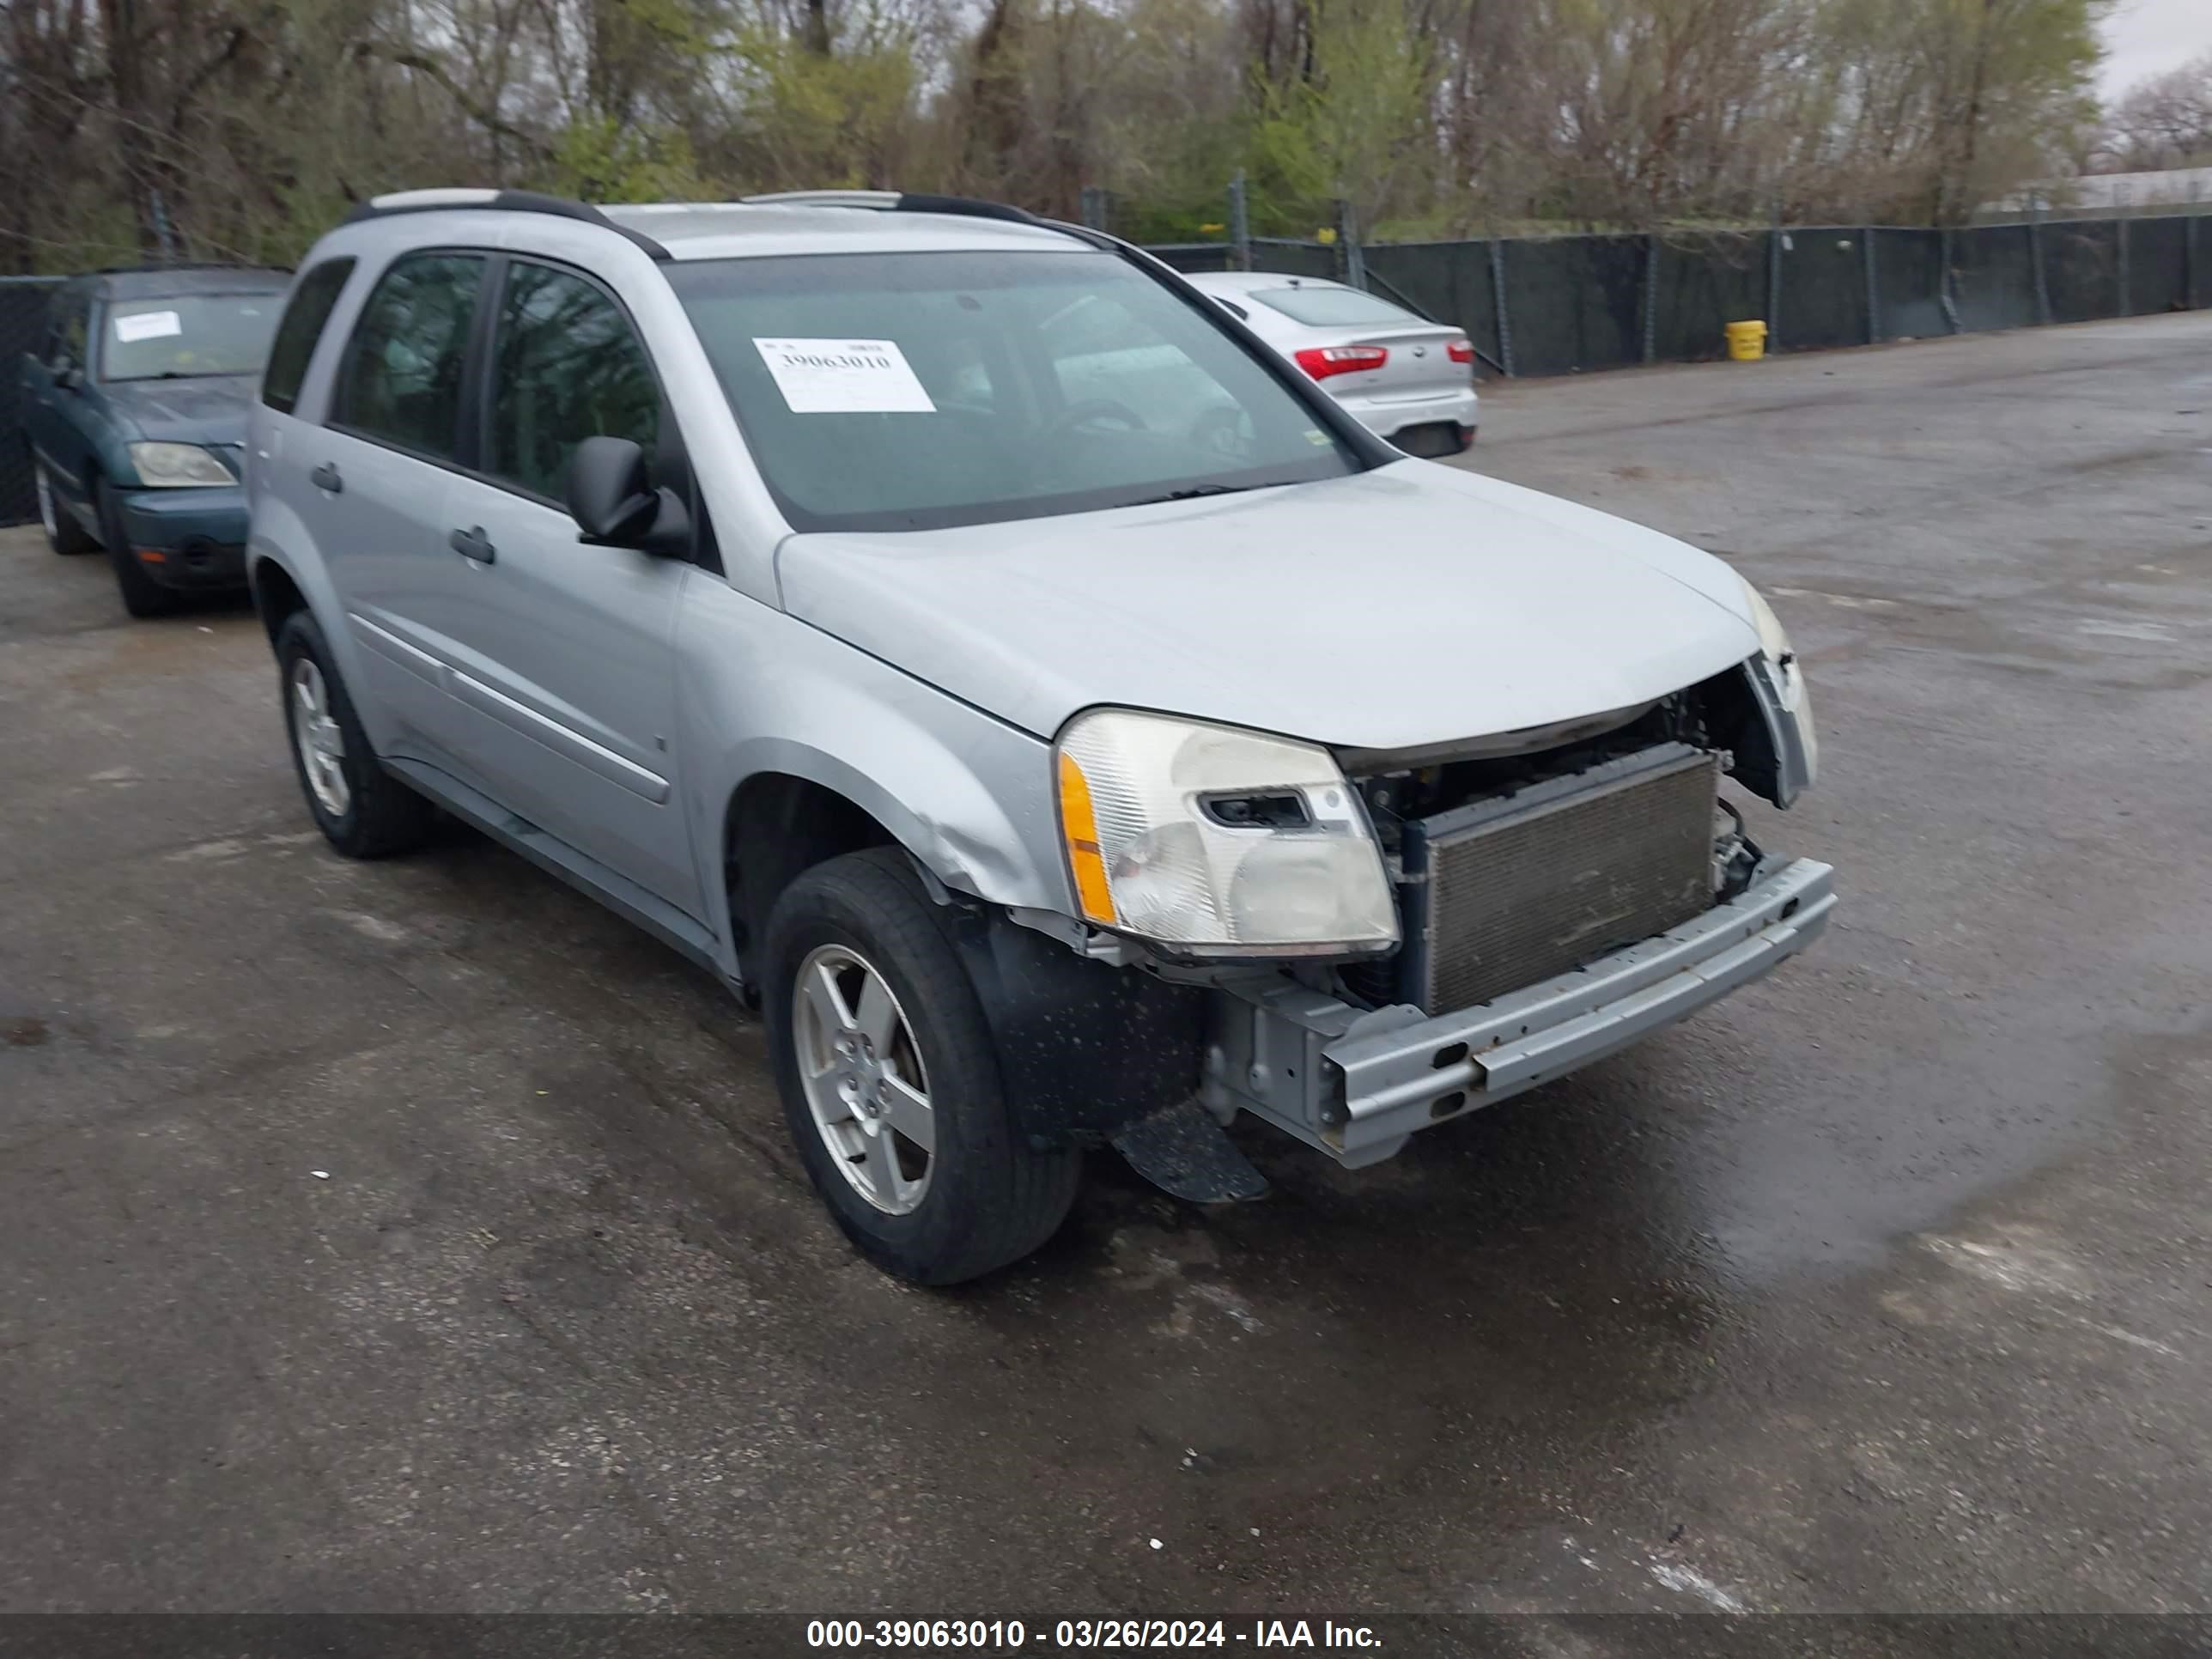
{"points": [[1524, 887]]}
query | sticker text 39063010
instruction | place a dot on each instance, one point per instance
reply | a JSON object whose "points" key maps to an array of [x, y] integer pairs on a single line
{"points": [[844, 377]]}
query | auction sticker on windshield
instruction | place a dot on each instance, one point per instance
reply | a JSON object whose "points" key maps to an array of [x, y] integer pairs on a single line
{"points": [[147, 325], [844, 377]]}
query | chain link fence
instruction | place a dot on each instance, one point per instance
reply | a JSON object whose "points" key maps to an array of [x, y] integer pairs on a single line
{"points": [[22, 325]]}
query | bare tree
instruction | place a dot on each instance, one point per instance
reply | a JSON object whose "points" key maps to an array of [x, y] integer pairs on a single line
{"points": [[2165, 121]]}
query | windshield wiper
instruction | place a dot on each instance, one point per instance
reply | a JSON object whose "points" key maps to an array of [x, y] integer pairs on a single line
{"points": [[1195, 491]]}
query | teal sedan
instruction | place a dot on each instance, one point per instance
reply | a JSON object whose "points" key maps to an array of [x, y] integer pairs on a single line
{"points": [[134, 405]]}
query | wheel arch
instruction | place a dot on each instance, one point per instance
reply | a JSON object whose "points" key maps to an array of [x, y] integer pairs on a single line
{"points": [[849, 770], [777, 825], [89, 481], [1085, 1048], [276, 595]]}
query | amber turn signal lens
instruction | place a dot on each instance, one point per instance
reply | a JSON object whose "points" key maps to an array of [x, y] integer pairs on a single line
{"points": [[1079, 827]]}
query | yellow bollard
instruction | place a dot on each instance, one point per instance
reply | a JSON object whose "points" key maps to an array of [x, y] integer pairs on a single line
{"points": [[1746, 342]]}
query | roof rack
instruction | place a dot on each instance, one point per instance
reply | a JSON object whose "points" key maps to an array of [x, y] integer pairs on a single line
{"points": [[896, 201], [509, 201], [159, 266]]}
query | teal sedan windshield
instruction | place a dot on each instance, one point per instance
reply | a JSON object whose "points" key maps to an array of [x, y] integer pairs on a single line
{"points": [[917, 391], [181, 336]]}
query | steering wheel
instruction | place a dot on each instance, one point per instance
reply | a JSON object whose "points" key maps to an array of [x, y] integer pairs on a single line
{"points": [[1095, 409], [1220, 431]]}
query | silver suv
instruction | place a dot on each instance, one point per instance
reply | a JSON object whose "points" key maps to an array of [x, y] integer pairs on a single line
{"points": [[1064, 722]]}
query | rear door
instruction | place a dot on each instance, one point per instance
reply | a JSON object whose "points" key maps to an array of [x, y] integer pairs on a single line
{"points": [[564, 652]]}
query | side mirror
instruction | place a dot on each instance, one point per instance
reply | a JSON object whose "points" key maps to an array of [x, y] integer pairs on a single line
{"points": [[68, 376], [612, 500]]}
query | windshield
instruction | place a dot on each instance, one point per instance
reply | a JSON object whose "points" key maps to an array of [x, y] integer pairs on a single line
{"points": [[188, 334], [1332, 307], [917, 391]]}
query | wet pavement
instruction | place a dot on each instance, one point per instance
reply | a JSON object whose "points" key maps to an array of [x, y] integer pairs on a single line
{"points": [[416, 1236]]}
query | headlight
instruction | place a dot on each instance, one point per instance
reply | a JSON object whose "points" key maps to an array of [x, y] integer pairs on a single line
{"points": [[167, 466], [1789, 675], [1216, 841]]}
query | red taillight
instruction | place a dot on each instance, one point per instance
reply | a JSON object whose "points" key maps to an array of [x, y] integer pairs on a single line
{"points": [[1461, 351], [1322, 361]]}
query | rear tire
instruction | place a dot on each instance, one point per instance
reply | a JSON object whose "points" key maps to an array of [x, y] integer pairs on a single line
{"points": [[63, 533], [362, 810], [142, 595], [1434, 440], [984, 1197]]}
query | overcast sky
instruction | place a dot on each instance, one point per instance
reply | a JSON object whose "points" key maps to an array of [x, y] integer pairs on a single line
{"points": [[2146, 36]]}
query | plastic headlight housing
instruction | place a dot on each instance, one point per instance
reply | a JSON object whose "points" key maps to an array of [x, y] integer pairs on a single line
{"points": [[170, 466], [1213, 841], [1787, 674]]}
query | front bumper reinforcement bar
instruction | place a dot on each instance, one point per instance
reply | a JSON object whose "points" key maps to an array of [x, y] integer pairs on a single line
{"points": [[1358, 1083]]}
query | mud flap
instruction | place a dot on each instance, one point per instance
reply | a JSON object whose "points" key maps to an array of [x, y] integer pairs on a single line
{"points": [[1180, 1149]]}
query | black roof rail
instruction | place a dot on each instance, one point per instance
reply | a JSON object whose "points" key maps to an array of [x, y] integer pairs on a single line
{"points": [[897, 201], [968, 205], [508, 201]]}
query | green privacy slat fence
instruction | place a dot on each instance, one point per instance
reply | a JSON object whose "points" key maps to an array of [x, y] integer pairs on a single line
{"points": [[1553, 305]]}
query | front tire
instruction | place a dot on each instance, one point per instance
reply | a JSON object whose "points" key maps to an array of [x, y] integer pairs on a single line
{"points": [[891, 1081], [361, 809], [63, 533]]}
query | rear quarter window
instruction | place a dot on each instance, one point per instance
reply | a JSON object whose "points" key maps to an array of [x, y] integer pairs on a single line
{"points": [[302, 325]]}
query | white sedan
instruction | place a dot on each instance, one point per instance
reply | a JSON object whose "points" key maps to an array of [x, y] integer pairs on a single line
{"points": [[1403, 377]]}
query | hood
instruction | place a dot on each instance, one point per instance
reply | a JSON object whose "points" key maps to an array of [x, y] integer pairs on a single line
{"points": [[209, 410], [1412, 604]]}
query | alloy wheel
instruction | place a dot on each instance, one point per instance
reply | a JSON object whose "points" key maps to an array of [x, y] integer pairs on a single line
{"points": [[316, 735], [866, 1088]]}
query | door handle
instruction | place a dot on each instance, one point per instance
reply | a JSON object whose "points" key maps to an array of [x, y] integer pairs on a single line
{"points": [[471, 544], [325, 476]]}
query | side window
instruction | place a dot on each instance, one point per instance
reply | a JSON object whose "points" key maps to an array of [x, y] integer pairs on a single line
{"points": [[407, 357], [297, 333], [567, 367], [70, 312]]}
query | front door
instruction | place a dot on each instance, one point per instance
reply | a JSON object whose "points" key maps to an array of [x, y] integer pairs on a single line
{"points": [[53, 418], [371, 486], [565, 651]]}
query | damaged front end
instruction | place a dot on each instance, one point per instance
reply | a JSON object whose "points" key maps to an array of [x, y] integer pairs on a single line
{"points": [[1561, 892]]}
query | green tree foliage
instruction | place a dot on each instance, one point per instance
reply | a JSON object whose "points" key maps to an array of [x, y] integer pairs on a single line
{"points": [[1353, 122], [243, 128], [598, 160]]}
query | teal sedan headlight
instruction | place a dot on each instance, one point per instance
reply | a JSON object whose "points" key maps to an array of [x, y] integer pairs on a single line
{"points": [[176, 466]]}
